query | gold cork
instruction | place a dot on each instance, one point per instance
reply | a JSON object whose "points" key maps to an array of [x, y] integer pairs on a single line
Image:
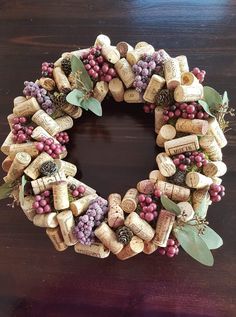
{"points": [[215, 169], [134, 56], [5, 147], [29, 148], [123, 48], [33, 170], [27, 207], [187, 212], [73, 181], [67, 224], [174, 192], [166, 133], [96, 249], [188, 93], [20, 162], [100, 90], [6, 164], [73, 111], [18, 100], [195, 126], [149, 247], [180, 145], [164, 226], [159, 121], [134, 247], [155, 176], [110, 53], [125, 72], [183, 63], [68, 168], [139, 227], [154, 86], [145, 186], [211, 147], [188, 79], [26, 108], [80, 205], [165, 164], [61, 80], [216, 131], [47, 83], [130, 201], [41, 184], [117, 89], [108, 237], [48, 220], [197, 180], [132, 96], [42, 119], [172, 73], [56, 237], [102, 40], [39, 133], [115, 216], [65, 123], [60, 195]]}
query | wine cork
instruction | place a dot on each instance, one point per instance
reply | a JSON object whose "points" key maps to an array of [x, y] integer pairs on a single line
{"points": [[65, 123], [26, 108], [102, 40], [125, 72], [29, 148], [39, 133], [172, 73], [33, 170], [216, 180], [163, 55], [140, 44], [5, 147], [134, 247], [188, 93], [189, 79], [27, 207], [82, 204], [145, 186], [46, 220], [41, 184], [110, 53], [183, 63], [6, 164], [61, 80], [187, 212], [216, 131], [115, 216], [114, 199], [60, 195], [174, 192], [73, 111], [159, 121], [130, 201], [100, 90], [195, 126], [154, 86], [132, 96], [68, 168], [67, 224], [47, 83], [165, 164], [20, 162], [198, 196], [211, 147], [149, 247], [123, 48], [108, 238], [134, 56], [96, 250], [164, 226], [10, 119], [56, 237], [197, 180], [42, 119], [139, 227], [166, 133], [77, 183], [155, 176], [18, 100], [117, 89], [215, 169], [180, 145]]}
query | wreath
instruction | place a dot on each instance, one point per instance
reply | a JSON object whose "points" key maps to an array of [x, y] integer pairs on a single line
{"points": [[163, 212]]}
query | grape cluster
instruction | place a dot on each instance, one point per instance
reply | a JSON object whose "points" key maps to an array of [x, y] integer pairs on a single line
{"points": [[77, 192], [84, 229], [191, 110], [42, 202], [171, 249], [149, 107], [34, 90], [47, 69], [62, 137], [200, 74], [216, 192], [48, 145], [149, 206], [21, 133], [188, 159], [96, 65]]}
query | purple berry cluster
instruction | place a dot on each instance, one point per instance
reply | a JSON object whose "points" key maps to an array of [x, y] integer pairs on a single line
{"points": [[62, 137], [49, 146], [77, 192], [184, 110], [216, 192], [149, 206], [42, 202], [189, 159], [47, 69], [149, 107], [94, 216], [171, 249], [200, 74], [21, 132]]}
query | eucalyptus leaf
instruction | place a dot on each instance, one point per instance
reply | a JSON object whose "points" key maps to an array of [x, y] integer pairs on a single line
{"points": [[225, 99], [77, 66], [212, 98], [202, 209], [5, 190], [205, 107], [194, 245], [170, 205], [75, 97], [211, 238], [22, 189], [94, 105]]}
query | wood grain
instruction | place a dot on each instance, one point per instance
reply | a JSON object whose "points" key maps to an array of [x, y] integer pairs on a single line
{"points": [[112, 154]]}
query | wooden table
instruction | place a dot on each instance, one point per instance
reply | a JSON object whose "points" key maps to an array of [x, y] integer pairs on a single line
{"points": [[113, 153]]}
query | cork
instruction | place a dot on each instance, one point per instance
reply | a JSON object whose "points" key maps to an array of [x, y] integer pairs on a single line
{"points": [[154, 86], [189, 79], [140, 44], [166, 133], [149, 247], [155, 176], [145, 187], [130, 201], [80, 205], [115, 216], [110, 53], [100, 90], [47, 83], [180, 145], [63, 155], [39, 133], [134, 247], [46, 220], [215, 169], [56, 237], [188, 93], [102, 40], [6, 164], [27, 207], [183, 63], [18, 100], [42, 119], [134, 56], [216, 131], [132, 96], [139, 227], [29, 147], [10, 119], [117, 89], [5, 147], [197, 180], [73, 181], [33, 170], [163, 55], [26, 108], [216, 180], [195, 126], [114, 199], [96, 250], [41, 184], [123, 48], [164, 226], [187, 212], [125, 72], [68, 168], [172, 73], [197, 198], [67, 224], [60, 195], [165, 164], [210, 146], [61, 80], [108, 238], [73, 111], [174, 192], [65, 123], [159, 121], [20, 162]]}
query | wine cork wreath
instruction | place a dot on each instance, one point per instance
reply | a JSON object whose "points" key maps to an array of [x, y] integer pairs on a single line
{"points": [[166, 210]]}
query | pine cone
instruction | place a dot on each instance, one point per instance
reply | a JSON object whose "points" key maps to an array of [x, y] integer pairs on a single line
{"points": [[66, 66], [178, 178], [124, 235], [59, 99], [164, 98], [48, 168]]}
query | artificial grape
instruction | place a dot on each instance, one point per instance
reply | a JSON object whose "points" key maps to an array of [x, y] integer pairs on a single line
{"points": [[42, 202], [200, 74], [171, 249], [49, 146], [21, 133], [216, 192], [189, 159]]}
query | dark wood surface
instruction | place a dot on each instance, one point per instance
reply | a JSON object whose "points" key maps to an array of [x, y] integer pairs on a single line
{"points": [[112, 154]]}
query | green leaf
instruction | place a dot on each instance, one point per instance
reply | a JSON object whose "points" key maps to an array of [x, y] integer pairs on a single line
{"points": [[22, 189], [205, 107], [77, 66], [75, 97], [93, 105], [212, 98], [170, 205], [211, 238], [225, 99], [194, 245], [202, 209], [6, 189]]}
